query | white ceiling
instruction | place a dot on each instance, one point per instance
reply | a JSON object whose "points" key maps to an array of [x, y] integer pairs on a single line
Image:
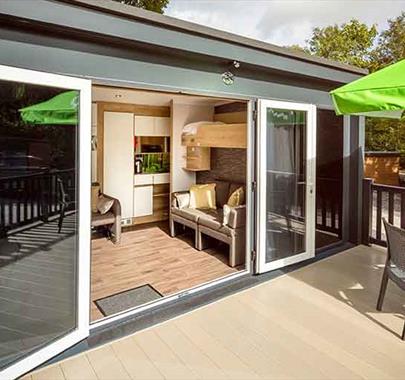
{"points": [[122, 95]]}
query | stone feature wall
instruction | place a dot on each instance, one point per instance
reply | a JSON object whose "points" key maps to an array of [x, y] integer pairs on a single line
{"points": [[227, 164]]}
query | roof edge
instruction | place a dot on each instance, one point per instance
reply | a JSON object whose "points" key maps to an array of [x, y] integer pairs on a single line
{"points": [[123, 10]]}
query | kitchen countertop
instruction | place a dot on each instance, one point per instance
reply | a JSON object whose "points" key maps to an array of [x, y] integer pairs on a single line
{"points": [[151, 173]]}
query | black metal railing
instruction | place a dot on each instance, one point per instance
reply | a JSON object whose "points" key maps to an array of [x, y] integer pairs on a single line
{"points": [[27, 198], [381, 201], [329, 205]]}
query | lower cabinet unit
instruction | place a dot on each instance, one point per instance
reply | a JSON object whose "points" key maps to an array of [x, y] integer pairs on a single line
{"points": [[143, 200]]}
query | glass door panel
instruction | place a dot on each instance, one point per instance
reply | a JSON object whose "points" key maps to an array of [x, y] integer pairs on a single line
{"points": [[286, 183], [44, 259]]}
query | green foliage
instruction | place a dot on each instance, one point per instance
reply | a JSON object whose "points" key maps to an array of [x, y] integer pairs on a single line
{"points": [[357, 44], [391, 43], [157, 6], [351, 43]]}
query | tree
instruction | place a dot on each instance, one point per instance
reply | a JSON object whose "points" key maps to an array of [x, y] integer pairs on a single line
{"points": [[357, 44], [157, 6], [391, 43], [350, 42]]}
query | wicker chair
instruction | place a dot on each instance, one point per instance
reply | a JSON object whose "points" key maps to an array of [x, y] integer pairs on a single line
{"points": [[395, 264]]}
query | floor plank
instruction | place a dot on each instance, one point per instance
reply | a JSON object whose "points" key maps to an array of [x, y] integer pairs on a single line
{"points": [[135, 361], [106, 364], [167, 362]]}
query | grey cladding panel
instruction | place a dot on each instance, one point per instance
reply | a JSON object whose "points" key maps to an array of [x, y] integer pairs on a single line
{"points": [[107, 69], [97, 22]]}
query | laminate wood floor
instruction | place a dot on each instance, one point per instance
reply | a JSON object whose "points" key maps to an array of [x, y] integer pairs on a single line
{"points": [[318, 322], [148, 255]]}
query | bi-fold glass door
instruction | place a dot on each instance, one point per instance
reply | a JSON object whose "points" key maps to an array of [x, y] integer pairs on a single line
{"points": [[286, 141], [45, 147]]}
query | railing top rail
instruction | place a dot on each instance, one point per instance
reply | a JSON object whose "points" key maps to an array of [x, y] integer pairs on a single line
{"points": [[33, 175], [389, 188]]}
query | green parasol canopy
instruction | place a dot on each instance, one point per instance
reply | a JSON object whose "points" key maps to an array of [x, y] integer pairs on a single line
{"points": [[380, 94], [61, 109]]}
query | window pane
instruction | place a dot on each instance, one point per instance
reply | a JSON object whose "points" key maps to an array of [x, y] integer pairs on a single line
{"points": [[38, 194], [286, 183]]}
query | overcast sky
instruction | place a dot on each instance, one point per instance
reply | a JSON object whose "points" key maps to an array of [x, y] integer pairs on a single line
{"points": [[282, 22]]}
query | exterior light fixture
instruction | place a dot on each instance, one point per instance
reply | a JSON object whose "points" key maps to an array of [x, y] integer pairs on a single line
{"points": [[228, 77]]}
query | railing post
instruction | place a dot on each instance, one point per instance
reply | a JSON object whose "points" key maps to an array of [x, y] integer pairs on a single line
{"points": [[45, 198], [367, 210]]}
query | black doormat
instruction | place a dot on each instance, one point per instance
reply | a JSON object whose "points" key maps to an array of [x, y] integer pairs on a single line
{"points": [[127, 299]]}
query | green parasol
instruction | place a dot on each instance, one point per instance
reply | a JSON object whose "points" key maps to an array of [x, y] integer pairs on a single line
{"points": [[380, 94], [61, 109]]}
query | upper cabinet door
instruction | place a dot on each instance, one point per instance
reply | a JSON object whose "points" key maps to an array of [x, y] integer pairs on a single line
{"points": [[151, 126], [144, 125], [162, 126]]}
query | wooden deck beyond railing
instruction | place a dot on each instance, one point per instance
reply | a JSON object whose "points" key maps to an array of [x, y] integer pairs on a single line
{"points": [[27, 198], [381, 201]]}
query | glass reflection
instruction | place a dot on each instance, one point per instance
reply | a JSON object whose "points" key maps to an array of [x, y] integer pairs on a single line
{"points": [[38, 218], [286, 183]]}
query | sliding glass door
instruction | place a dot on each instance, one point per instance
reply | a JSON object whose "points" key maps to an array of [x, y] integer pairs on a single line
{"points": [[44, 216], [286, 183]]}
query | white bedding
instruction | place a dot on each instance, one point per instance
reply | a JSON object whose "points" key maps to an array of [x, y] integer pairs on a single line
{"points": [[191, 129]]}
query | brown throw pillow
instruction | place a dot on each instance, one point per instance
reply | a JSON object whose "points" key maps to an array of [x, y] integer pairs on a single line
{"points": [[104, 204]]}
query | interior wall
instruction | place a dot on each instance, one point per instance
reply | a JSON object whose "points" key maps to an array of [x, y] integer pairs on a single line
{"points": [[183, 114]]}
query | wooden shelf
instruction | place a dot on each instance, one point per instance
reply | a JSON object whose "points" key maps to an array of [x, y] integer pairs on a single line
{"points": [[161, 195], [196, 170]]}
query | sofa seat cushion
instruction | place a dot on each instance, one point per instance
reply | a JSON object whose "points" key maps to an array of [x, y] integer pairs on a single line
{"points": [[192, 214], [101, 220], [212, 219]]}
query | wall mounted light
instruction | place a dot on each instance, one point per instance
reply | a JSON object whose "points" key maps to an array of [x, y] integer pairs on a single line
{"points": [[228, 77]]}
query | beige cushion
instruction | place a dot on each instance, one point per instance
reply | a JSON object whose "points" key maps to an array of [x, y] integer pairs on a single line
{"points": [[104, 204], [183, 200], [211, 219], [203, 196], [226, 214], [188, 213], [237, 198], [95, 190]]}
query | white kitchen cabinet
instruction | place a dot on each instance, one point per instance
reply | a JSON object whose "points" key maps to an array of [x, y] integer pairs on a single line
{"points": [[162, 126], [160, 178], [119, 159], [143, 179], [151, 126], [143, 200], [144, 125]]}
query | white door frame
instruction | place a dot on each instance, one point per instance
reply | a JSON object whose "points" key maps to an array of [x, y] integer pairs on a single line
{"points": [[263, 104], [41, 355]]}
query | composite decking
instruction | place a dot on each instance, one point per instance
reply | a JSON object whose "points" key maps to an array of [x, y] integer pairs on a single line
{"points": [[318, 322]]}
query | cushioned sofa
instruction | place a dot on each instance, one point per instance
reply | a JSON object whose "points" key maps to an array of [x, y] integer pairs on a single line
{"points": [[208, 223]]}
